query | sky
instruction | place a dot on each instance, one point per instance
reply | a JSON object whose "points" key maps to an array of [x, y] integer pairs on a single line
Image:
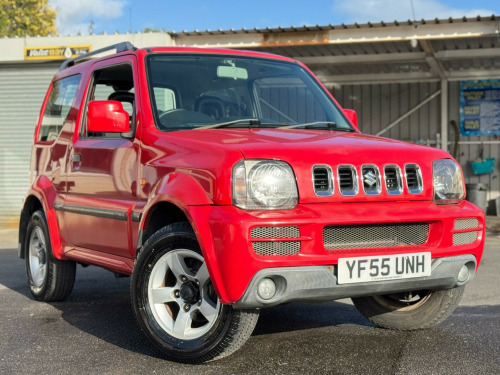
{"points": [[110, 16]]}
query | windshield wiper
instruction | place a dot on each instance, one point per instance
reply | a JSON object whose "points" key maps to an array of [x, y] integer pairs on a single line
{"points": [[245, 122], [251, 122], [319, 124]]}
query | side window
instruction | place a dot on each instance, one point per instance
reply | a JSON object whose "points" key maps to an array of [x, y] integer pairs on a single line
{"points": [[113, 83], [58, 106]]}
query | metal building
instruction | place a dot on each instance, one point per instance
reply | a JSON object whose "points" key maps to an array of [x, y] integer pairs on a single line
{"points": [[405, 79]]}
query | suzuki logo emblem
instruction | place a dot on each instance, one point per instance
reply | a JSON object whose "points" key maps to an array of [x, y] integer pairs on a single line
{"points": [[370, 178]]}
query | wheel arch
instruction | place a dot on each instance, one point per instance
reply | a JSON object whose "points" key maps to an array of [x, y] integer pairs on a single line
{"points": [[161, 214], [168, 203], [41, 197], [31, 204]]}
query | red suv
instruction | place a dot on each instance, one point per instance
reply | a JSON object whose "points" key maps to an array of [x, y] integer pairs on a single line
{"points": [[228, 181]]}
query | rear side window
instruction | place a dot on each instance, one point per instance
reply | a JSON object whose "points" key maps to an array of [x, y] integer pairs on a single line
{"points": [[58, 106]]}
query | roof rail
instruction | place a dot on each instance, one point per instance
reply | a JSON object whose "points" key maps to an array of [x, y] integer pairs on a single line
{"points": [[119, 47]]}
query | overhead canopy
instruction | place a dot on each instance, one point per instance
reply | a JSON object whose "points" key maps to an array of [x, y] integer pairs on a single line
{"points": [[435, 50]]}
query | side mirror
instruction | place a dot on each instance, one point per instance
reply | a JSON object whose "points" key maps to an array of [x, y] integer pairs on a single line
{"points": [[352, 116], [107, 116]]}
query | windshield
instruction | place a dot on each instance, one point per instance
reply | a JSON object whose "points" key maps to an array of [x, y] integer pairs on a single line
{"points": [[206, 91]]}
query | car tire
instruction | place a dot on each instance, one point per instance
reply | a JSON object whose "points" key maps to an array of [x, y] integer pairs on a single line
{"points": [[175, 302], [49, 279], [410, 310]]}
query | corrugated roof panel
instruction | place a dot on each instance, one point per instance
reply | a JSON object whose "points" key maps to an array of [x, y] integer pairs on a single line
{"points": [[281, 29]]}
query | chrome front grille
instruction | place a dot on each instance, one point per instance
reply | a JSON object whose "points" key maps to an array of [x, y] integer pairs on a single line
{"points": [[413, 177], [392, 178], [371, 180], [374, 235], [323, 180], [370, 176], [348, 180]]}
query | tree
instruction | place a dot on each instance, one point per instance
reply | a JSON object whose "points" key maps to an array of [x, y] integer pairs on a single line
{"points": [[27, 18]]}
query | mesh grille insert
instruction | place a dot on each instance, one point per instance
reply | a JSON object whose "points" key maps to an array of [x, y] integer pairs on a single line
{"points": [[275, 232], [374, 235], [276, 248], [464, 238], [466, 223]]}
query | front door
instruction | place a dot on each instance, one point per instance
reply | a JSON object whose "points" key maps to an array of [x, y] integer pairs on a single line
{"points": [[102, 171]]}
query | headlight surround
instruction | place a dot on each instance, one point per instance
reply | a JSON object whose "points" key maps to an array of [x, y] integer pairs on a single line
{"points": [[264, 185], [448, 182]]}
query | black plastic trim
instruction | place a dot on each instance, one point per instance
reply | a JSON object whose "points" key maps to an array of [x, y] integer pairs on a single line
{"points": [[319, 283], [119, 47], [90, 211]]}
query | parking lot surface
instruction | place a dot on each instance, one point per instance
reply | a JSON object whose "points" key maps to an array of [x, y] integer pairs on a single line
{"points": [[94, 332]]}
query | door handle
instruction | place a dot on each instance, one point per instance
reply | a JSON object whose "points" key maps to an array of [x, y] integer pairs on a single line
{"points": [[76, 158]]}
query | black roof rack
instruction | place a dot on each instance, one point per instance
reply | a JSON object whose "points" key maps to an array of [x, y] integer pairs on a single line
{"points": [[119, 47]]}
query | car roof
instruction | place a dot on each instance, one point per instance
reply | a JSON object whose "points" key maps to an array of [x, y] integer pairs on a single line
{"points": [[82, 63]]}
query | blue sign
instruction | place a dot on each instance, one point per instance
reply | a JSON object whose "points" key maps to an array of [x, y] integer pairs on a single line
{"points": [[480, 107]]}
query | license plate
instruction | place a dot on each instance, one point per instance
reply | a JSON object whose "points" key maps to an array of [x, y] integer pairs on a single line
{"points": [[387, 267]]}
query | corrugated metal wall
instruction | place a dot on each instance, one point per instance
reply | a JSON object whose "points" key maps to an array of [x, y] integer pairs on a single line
{"points": [[379, 105], [21, 95]]}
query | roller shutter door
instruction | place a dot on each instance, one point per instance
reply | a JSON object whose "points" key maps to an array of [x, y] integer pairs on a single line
{"points": [[22, 89]]}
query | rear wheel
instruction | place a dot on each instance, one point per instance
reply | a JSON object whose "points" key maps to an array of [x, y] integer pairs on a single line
{"points": [[50, 279], [410, 310], [176, 304]]}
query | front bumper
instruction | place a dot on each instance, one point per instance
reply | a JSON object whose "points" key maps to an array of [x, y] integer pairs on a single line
{"points": [[319, 283], [224, 234]]}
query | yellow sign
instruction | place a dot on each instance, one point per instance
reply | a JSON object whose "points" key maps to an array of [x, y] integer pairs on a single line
{"points": [[55, 53]]}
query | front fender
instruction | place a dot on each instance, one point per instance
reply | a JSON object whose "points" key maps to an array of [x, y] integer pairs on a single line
{"points": [[183, 191], [180, 189]]}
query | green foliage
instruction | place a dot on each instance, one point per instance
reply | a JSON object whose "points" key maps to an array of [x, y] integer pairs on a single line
{"points": [[3, 23], [27, 18]]}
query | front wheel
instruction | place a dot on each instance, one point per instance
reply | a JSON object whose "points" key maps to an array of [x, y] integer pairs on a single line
{"points": [[176, 304], [410, 310]]}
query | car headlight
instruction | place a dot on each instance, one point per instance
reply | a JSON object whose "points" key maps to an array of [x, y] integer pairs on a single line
{"points": [[264, 185], [448, 182]]}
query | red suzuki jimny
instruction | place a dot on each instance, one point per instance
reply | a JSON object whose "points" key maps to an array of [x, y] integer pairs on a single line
{"points": [[228, 181]]}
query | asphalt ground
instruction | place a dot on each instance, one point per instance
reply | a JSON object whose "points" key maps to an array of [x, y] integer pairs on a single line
{"points": [[94, 332]]}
